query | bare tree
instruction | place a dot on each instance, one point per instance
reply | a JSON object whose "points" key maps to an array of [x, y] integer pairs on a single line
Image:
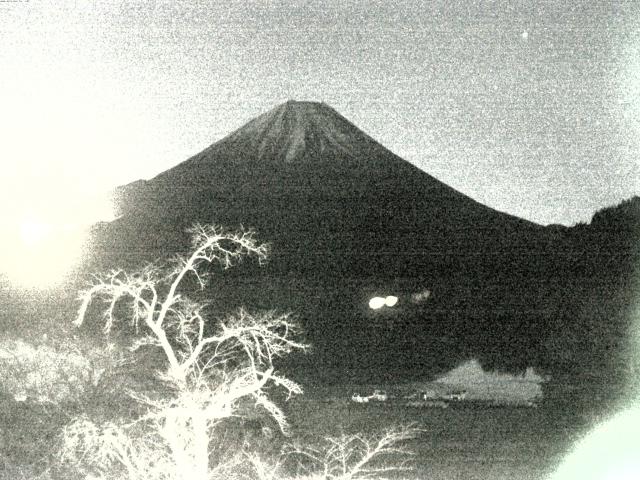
{"points": [[210, 367], [357, 456]]}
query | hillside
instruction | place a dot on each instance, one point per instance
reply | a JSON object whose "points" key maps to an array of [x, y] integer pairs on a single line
{"points": [[591, 320]]}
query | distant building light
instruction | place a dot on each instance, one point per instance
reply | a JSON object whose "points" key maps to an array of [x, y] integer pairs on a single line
{"points": [[390, 301], [377, 303], [420, 297]]}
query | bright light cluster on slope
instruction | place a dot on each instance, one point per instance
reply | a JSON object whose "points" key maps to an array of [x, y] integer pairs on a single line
{"points": [[377, 303]]}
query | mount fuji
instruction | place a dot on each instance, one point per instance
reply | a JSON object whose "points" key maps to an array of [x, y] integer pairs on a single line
{"points": [[347, 220]]}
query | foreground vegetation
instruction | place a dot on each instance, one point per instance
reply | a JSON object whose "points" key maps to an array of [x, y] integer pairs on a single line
{"points": [[173, 393]]}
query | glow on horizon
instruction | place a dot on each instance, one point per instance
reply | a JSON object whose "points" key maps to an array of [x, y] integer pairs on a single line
{"points": [[41, 247], [39, 255]]}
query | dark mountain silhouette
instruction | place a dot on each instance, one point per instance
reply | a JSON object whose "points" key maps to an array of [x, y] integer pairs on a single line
{"points": [[316, 186], [348, 219]]}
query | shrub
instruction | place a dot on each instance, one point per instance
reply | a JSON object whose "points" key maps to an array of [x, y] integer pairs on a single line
{"points": [[356, 456], [50, 373]]}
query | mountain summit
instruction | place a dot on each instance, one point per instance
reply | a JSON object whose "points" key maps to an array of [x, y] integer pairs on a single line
{"points": [[297, 131]]}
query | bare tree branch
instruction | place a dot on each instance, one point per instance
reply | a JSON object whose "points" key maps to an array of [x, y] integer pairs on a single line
{"points": [[351, 457], [209, 374]]}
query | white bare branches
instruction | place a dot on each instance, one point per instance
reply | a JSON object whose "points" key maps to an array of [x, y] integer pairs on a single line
{"points": [[351, 457], [211, 367], [259, 338], [111, 451], [154, 300]]}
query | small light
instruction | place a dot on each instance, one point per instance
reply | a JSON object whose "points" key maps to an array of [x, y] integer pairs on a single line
{"points": [[420, 297], [390, 301], [376, 303]]}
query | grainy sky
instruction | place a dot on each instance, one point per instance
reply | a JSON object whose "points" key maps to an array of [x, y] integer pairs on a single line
{"points": [[531, 107]]}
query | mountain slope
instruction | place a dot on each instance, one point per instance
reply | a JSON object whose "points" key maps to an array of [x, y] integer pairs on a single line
{"points": [[309, 180]]}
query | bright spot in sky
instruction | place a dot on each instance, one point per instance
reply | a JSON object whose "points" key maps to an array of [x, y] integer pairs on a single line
{"points": [[610, 452], [525, 35], [377, 303]]}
